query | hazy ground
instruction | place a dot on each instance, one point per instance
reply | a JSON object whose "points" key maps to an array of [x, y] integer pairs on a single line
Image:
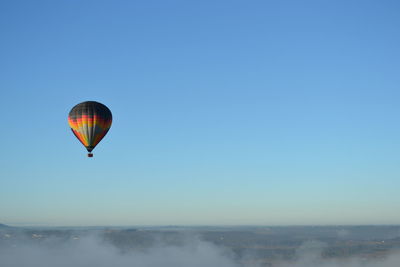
{"points": [[348, 246]]}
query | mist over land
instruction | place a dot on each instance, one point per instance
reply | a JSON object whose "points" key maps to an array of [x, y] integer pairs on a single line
{"points": [[246, 246]]}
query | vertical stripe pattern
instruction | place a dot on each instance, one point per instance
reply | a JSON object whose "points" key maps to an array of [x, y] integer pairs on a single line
{"points": [[90, 122]]}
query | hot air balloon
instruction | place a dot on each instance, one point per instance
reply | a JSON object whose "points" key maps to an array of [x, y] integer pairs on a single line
{"points": [[90, 122]]}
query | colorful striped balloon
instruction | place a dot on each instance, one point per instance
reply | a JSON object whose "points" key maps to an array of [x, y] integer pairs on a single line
{"points": [[90, 122]]}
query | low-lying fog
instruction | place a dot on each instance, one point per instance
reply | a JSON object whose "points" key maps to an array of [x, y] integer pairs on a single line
{"points": [[92, 249]]}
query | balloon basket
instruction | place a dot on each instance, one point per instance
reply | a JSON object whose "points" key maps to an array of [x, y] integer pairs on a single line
{"points": [[90, 155]]}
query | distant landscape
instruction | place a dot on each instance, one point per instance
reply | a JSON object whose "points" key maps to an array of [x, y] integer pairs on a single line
{"points": [[184, 246]]}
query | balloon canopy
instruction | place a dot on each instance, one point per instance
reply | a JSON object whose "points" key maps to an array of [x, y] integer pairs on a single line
{"points": [[90, 122]]}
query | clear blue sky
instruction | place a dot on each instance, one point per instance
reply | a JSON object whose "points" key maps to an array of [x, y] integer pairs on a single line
{"points": [[225, 112]]}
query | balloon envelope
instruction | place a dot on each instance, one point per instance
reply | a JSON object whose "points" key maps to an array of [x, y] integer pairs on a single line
{"points": [[90, 122]]}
